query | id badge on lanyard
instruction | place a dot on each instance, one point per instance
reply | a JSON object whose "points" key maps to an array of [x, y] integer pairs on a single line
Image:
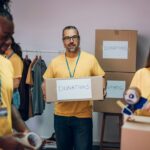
{"points": [[3, 112]]}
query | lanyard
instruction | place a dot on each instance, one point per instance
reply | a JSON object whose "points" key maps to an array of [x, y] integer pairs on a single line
{"points": [[72, 75]]}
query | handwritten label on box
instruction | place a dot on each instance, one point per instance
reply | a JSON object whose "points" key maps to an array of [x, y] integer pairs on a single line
{"points": [[73, 89], [115, 49], [115, 89]]}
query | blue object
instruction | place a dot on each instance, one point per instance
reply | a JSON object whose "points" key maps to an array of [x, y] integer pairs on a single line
{"points": [[16, 99], [130, 109]]}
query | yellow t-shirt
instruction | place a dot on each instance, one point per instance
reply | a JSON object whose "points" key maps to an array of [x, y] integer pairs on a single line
{"points": [[87, 66], [6, 78], [29, 79], [17, 65], [141, 80]]}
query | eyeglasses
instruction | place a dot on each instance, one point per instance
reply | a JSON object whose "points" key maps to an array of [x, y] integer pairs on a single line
{"points": [[68, 38]]}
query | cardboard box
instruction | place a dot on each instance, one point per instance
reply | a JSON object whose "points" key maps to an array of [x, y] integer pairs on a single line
{"points": [[117, 83], [116, 50], [74, 89], [135, 134]]}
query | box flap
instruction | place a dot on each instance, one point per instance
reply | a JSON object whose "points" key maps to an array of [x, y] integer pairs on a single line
{"points": [[140, 119]]}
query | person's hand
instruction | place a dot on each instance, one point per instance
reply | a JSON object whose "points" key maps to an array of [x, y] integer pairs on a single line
{"points": [[147, 107], [44, 89], [104, 87], [104, 92], [10, 142], [128, 118], [30, 139]]}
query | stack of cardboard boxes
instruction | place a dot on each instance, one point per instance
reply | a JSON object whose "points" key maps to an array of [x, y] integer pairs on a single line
{"points": [[116, 52], [135, 134]]}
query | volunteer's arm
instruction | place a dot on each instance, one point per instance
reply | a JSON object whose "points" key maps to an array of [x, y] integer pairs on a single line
{"points": [[17, 122], [16, 82], [10, 141], [44, 89], [104, 87], [147, 107]]}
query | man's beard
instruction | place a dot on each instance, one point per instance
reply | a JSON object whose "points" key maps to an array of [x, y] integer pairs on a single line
{"points": [[73, 48]]}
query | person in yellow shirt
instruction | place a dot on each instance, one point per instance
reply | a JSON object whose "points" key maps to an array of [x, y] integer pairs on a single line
{"points": [[9, 116], [141, 80], [73, 120], [14, 54]]}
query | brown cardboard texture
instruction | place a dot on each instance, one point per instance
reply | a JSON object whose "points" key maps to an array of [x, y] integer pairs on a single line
{"points": [[117, 83], [116, 50], [135, 134], [74, 89]]}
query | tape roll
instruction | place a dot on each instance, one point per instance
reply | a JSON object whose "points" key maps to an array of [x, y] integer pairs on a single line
{"points": [[32, 140]]}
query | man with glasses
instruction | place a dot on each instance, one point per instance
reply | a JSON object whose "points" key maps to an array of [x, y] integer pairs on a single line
{"points": [[73, 120]]}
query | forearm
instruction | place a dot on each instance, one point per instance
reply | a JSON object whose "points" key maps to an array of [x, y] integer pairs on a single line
{"points": [[10, 142], [17, 122], [16, 82], [5, 142], [43, 86]]}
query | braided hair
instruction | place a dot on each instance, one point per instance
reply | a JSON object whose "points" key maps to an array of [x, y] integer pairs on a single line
{"points": [[16, 48], [5, 9]]}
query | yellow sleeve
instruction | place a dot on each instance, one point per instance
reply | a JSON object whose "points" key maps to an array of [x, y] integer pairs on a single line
{"points": [[96, 69], [18, 66], [136, 80], [49, 72], [29, 79]]}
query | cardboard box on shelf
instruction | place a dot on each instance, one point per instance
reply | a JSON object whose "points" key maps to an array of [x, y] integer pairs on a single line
{"points": [[74, 89], [135, 134], [116, 49], [117, 83]]}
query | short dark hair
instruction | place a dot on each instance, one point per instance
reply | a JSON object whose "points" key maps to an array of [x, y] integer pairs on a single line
{"points": [[70, 27], [148, 60], [5, 10]]}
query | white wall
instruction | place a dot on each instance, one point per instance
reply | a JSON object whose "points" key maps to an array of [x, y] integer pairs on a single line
{"points": [[39, 24]]}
